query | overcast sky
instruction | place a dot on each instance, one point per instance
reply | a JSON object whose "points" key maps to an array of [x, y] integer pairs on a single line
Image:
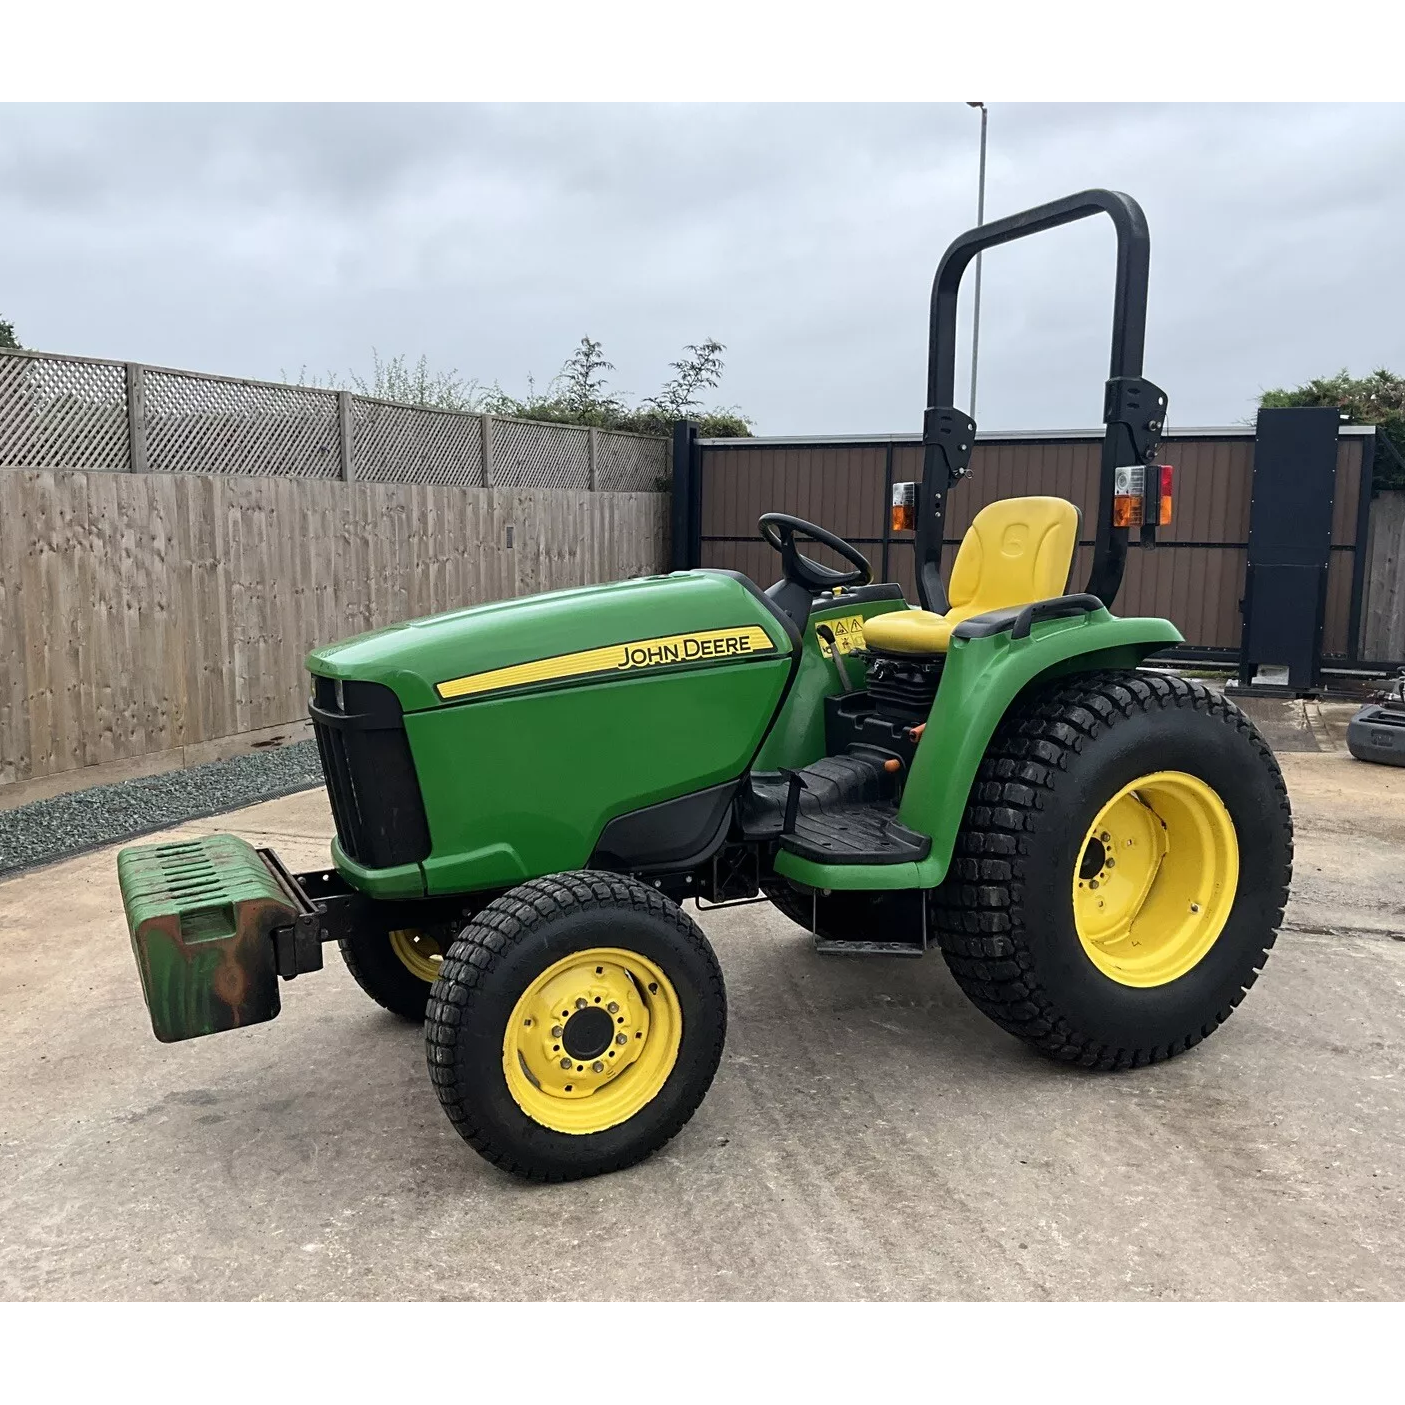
{"points": [[255, 240]]}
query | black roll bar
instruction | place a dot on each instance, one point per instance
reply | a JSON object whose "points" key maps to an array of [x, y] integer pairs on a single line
{"points": [[1134, 410]]}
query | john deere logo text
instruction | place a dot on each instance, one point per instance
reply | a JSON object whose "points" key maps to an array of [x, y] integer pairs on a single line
{"points": [[705, 646], [688, 647]]}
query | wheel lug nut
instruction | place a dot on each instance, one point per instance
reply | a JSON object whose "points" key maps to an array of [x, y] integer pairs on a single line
{"points": [[613, 1007], [557, 1031], [1112, 863], [621, 1039], [581, 1002], [597, 1067], [1093, 883], [565, 1063]]}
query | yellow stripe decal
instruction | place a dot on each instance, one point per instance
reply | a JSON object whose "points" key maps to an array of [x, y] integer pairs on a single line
{"points": [[669, 650]]}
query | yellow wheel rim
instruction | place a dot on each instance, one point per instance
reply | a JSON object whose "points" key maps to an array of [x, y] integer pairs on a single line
{"points": [[418, 953], [592, 1040], [1155, 880]]}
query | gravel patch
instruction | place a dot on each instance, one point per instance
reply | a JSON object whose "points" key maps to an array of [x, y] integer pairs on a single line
{"points": [[46, 830]]}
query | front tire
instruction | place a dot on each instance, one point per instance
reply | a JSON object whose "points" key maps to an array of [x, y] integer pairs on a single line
{"points": [[575, 1026], [395, 968], [1094, 964]]}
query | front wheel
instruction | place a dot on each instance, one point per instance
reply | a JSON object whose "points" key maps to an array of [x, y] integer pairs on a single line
{"points": [[1121, 870], [575, 1026], [396, 967]]}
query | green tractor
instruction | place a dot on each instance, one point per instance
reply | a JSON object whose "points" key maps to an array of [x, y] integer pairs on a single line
{"points": [[527, 792]]}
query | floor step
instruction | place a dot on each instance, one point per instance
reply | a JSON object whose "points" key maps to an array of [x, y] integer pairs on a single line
{"points": [[845, 810], [856, 834], [829, 948]]}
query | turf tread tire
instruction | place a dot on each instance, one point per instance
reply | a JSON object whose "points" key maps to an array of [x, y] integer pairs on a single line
{"points": [[986, 932], [375, 967], [476, 963]]}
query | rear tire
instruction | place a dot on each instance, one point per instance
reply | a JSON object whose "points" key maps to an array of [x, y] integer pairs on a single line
{"points": [[534, 1088], [1008, 916]]}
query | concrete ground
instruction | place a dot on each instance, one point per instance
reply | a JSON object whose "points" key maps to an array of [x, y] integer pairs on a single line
{"points": [[869, 1134]]}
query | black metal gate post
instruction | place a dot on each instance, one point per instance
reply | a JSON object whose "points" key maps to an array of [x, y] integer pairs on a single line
{"points": [[1365, 494], [686, 516], [1290, 545]]}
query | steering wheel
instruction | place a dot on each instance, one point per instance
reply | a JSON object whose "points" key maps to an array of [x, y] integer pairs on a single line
{"points": [[780, 529]]}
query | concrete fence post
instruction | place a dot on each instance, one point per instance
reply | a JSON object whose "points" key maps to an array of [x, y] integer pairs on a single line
{"points": [[136, 418], [346, 436], [487, 423], [594, 450]]}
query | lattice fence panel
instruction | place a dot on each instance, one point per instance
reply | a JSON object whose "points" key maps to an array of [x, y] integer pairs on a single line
{"points": [[195, 424], [62, 414], [402, 444], [529, 454], [627, 463]]}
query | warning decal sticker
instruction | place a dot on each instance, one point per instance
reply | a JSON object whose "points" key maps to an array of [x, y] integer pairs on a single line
{"points": [[848, 635]]}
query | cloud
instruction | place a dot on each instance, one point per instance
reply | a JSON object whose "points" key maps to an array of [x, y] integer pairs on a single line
{"points": [[249, 239]]}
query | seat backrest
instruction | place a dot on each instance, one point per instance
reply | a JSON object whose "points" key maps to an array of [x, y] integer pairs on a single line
{"points": [[1014, 552]]}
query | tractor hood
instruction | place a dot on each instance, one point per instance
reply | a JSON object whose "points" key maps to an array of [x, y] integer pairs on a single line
{"points": [[684, 620]]}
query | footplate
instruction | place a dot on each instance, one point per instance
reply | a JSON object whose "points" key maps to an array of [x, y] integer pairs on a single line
{"points": [[201, 915]]}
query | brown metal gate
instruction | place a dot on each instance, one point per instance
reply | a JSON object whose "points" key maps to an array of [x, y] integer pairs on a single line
{"points": [[1194, 575]]}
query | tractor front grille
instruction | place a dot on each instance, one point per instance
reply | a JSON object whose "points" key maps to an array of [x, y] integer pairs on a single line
{"points": [[371, 780]]}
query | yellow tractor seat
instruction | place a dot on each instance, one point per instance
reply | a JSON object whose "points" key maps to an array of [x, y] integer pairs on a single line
{"points": [[1014, 552]]}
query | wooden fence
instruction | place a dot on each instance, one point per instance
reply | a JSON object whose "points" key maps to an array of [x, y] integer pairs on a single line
{"points": [[147, 619], [1383, 608]]}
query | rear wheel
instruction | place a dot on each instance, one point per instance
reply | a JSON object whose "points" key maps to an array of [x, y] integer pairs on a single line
{"points": [[1121, 870], [575, 1026], [396, 968]]}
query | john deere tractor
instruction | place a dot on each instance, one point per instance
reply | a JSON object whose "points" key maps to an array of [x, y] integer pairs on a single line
{"points": [[527, 793]]}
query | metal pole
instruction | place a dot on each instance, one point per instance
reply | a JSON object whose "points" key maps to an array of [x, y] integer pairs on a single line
{"points": [[980, 220]]}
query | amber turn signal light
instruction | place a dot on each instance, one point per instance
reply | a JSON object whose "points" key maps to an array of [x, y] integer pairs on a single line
{"points": [[904, 513], [1128, 496]]}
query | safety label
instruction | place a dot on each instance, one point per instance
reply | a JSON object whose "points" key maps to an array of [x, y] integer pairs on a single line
{"points": [[848, 635]]}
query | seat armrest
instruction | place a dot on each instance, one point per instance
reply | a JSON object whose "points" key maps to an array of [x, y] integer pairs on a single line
{"points": [[1019, 619]]}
